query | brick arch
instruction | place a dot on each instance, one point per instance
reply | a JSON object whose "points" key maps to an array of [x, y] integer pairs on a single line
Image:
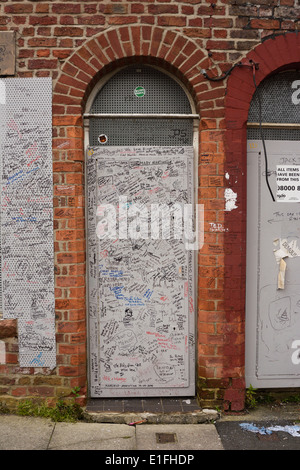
{"points": [[116, 47], [273, 55], [79, 74]]}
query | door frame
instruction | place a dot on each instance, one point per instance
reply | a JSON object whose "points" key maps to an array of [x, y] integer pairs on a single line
{"points": [[195, 143]]}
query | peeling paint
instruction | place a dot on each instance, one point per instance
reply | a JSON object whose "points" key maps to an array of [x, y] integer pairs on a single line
{"points": [[230, 197], [286, 250]]}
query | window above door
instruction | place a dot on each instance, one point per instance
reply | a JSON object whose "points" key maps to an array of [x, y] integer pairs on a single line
{"points": [[141, 105]]}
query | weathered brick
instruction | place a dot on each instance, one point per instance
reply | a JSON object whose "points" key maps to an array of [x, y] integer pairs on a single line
{"points": [[16, 8], [120, 20], [42, 64], [8, 328], [71, 31], [92, 20], [61, 8], [159, 9], [171, 20], [264, 23], [42, 20]]}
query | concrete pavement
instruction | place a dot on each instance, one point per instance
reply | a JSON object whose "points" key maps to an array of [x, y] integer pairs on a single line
{"points": [[29, 433], [266, 428]]}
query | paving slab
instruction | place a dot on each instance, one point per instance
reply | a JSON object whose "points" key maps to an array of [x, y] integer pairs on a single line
{"points": [[24, 433], [92, 436], [271, 427], [177, 437]]}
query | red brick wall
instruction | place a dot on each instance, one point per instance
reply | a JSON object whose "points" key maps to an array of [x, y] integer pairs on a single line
{"points": [[78, 42]]}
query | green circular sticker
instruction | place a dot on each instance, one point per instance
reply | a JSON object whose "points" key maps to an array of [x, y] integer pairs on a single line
{"points": [[139, 91]]}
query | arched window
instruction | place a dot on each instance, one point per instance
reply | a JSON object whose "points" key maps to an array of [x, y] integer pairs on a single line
{"points": [[140, 105], [276, 105]]}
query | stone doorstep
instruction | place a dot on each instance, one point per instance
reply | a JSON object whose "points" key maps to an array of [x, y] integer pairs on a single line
{"points": [[195, 417]]}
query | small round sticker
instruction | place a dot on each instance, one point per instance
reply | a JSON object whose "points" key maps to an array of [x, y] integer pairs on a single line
{"points": [[102, 139], [139, 91]]}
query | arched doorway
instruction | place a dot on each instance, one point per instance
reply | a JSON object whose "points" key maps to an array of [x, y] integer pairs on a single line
{"points": [[140, 175], [273, 237]]}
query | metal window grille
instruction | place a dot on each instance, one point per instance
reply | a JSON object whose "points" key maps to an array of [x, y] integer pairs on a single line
{"points": [[141, 91], [277, 107]]}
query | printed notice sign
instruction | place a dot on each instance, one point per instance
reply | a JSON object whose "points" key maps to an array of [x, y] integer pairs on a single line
{"points": [[288, 183]]}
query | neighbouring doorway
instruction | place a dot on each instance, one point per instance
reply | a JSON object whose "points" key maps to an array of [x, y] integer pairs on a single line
{"points": [[273, 234]]}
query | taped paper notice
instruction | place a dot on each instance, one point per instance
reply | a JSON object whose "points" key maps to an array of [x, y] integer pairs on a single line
{"points": [[288, 183], [281, 274], [286, 250]]}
